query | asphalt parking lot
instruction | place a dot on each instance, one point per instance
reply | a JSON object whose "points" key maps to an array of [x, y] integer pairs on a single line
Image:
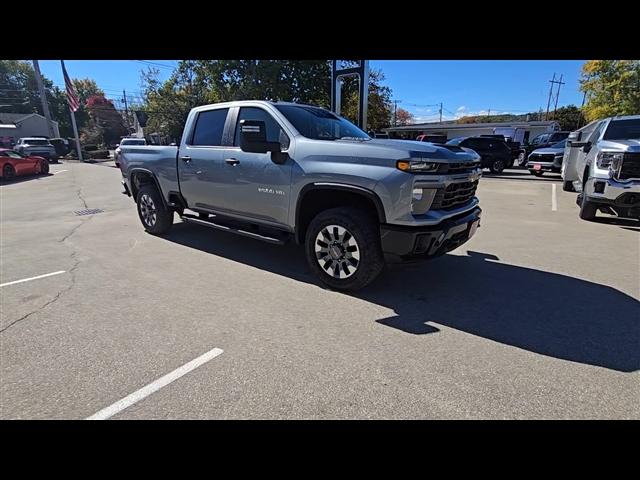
{"points": [[537, 316]]}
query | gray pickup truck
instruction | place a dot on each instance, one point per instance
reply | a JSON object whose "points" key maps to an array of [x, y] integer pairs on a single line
{"points": [[283, 171]]}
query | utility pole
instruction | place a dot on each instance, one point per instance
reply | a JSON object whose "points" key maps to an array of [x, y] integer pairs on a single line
{"points": [[440, 112], [395, 110], [581, 115], [546, 116], [43, 98], [555, 106], [126, 109]]}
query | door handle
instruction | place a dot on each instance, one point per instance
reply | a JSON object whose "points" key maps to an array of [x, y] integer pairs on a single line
{"points": [[232, 161], [186, 159]]}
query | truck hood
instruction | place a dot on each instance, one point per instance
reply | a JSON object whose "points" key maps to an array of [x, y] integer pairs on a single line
{"points": [[630, 145], [403, 149], [548, 151]]}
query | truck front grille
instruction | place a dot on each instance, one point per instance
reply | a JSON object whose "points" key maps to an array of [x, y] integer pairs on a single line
{"points": [[454, 196], [545, 158], [630, 166]]}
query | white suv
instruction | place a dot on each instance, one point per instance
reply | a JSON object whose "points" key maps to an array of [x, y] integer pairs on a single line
{"points": [[602, 163], [126, 142]]}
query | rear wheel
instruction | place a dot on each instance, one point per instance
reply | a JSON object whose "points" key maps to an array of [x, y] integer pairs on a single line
{"points": [[155, 217], [8, 171], [343, 248], [497, 166], [522, 159]]}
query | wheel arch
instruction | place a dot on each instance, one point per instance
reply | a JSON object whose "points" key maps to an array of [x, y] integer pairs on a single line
{"points": [[142, 176], [314, 198]]}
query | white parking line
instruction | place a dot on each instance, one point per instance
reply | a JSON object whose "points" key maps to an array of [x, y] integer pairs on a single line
{"points": [[32, 278], [60, 171], [154, 386], [554, 200]]}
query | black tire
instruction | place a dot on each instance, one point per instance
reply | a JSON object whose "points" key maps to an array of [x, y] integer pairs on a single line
{"points": [[154, 215], [497, 166], [363, 235], [567, 186], [44, 167], [522, 159], [8, 172], [587, 209]]}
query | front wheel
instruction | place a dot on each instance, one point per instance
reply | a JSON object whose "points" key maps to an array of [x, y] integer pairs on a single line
{"points": [[44, 167], [587, 209], [497, 166], [8, 172], [522, 159], [156, 218], [343, 248]]}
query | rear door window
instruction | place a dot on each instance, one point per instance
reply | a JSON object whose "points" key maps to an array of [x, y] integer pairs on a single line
{"points": [[209, 128]]}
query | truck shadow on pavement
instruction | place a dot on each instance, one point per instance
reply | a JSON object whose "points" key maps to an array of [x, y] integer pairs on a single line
{"points": [[541, 312], [24, 178]]}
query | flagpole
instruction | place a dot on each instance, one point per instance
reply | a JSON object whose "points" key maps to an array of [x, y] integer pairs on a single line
{"points": [[73, 122], [75, 132]]}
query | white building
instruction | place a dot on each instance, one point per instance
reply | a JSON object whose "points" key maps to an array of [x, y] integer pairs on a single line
{"points": [[18, 125], [454, 130]]}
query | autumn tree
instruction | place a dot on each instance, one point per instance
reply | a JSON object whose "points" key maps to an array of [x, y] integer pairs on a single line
{"points": [[612, 87], [403, 117]]}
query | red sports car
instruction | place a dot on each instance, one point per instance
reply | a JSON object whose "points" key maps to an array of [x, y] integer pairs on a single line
{"points": [[13, 164]]}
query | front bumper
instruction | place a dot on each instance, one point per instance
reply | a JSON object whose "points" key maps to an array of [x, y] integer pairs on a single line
{"points": [[405, 243], [608, 191], [544, 167]]}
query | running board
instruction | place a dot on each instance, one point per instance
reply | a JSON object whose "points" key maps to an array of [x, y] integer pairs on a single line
{"points": [[225, 228]]}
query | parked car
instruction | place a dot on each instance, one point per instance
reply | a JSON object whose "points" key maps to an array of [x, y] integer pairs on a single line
{"points": [[547, 159], [282, 172], [36, 146], [494, 153], [126, 142], [14, 164], [61, 146], [543, 140], [432, 138], [517, 151], [602, 163]]}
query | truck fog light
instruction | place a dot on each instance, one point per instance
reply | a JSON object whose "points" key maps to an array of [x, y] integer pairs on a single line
{"points": [[421, 200]]}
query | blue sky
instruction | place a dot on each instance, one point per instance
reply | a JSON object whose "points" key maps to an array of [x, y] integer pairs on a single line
{"points": [[465, 87]]}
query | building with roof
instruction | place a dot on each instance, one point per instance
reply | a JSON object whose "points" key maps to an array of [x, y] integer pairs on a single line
{"points": [[452, 129], [17, 125]]}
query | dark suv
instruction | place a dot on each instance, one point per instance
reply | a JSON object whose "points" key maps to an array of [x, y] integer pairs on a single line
{"points": [[495, 154], [543, 140]]}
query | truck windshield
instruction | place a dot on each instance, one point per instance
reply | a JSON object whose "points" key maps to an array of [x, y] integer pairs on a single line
{"points": [[623, 129], [320, 124]]}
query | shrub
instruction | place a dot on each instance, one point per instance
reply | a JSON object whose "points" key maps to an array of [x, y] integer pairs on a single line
{"points": [[98, 154], [90, 147]]}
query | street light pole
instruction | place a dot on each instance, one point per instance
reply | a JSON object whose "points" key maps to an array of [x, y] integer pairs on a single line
{"points": [[43, 98]]}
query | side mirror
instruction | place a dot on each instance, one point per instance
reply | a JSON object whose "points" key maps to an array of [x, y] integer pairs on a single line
{"points": [[253, 138]]}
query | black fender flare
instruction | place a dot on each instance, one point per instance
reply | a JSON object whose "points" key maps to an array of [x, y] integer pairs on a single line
{"points": [[364, 192], [135, 170]]}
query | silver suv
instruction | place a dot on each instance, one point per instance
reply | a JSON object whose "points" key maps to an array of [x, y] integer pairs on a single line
{"points": [[602, 162], [36, 146]]}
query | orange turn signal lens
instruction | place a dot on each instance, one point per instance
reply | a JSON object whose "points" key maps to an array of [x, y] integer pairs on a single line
{"points": [[404, 166]]}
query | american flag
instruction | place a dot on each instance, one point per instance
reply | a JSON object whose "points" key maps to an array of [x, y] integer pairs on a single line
{"points": [[72, 98]]}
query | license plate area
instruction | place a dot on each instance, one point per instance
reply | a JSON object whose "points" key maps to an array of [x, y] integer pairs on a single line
{"points": [[537, 166]]}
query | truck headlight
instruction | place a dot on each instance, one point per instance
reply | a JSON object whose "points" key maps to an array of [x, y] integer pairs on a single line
{"points": [[417, 165], [605, 159], [421, 200]]}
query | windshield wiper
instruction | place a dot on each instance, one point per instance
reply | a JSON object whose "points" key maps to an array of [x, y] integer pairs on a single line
{"points": [[363, 139]]}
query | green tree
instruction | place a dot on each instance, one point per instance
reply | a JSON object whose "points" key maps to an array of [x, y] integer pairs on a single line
{"points": [[379, 111], [198, 82], [612, 87], [569, 117]]}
